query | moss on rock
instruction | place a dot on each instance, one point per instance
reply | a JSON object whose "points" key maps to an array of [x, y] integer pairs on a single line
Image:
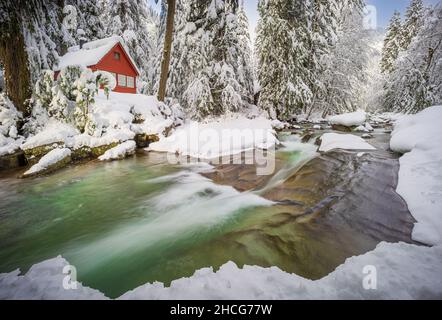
{"points": [[34, 155], [54, 167]]}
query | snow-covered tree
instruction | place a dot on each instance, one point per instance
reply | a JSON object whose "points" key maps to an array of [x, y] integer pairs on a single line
{"points": [[43, 89], [413, 22], [208, 68], [416, 81], [66, 80], [88, 19], [392, 43], [138, 25], [282, 56], [86, 89]]}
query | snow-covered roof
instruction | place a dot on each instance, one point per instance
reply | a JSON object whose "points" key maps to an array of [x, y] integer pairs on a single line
{"points": [[91, 53]]}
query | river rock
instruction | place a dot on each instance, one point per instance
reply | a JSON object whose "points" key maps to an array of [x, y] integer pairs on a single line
{"points": [[12, 161], [144, 140], [340, 127], [307, 136], [61, 163], [34, 155]]}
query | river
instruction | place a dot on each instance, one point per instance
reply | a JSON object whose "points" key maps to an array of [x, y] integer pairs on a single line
{"points": [[125, 223]]}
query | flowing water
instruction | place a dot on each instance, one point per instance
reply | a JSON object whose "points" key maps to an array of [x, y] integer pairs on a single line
{"points": [[122, 224]]}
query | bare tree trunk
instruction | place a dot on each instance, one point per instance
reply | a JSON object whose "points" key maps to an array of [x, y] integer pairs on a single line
{"points": [[171, 4], [13, 56]]}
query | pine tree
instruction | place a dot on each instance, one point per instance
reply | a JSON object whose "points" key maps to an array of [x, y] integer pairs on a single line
{"points": [[136, 23], [392, 43], [282, 55], [205, 73], [88, 20], [413, 22], [415, 83]]}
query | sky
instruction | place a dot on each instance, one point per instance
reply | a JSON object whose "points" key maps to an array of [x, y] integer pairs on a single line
{"points": [[384, 9]]}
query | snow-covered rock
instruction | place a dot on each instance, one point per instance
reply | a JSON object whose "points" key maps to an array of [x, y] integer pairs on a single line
{"points": [[330, 141], [224, 136], [119, 152], [54, 132], [349, 119], [44, 281], [55, 159], [420, 174]]}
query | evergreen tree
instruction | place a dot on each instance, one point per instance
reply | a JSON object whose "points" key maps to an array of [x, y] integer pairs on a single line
{"points": [[416, 82], [282, 55], [209, 68], [392, 43], [88, 20], [413, 22], [137, 24]]}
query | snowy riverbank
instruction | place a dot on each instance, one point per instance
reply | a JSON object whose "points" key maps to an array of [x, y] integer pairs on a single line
{"points": [[420, 174]]}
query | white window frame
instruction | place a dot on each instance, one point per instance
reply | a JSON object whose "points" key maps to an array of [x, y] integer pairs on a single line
{"points": [[130, 81], [122, 80]]}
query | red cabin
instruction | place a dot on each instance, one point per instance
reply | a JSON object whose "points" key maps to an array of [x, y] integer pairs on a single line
{"points": [[109, 55]]}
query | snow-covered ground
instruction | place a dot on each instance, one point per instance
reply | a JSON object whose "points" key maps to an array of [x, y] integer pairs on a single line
{"points": [[330, 141], [224, 136], [113, 120], [420, 174]]}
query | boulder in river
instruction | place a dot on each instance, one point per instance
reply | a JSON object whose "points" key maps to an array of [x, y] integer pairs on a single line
{"points": [[54, 160], [342, 128], [33, 155], [12, 161]]}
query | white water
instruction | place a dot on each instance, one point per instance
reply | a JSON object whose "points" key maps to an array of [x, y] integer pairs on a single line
{"points": [[190, 204]]}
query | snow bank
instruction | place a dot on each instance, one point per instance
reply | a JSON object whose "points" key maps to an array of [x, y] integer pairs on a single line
{"points": [[112, 136], [420, 174], [349, 119], [113, 119], [43, 281], [120, 110], [330, 141], [9, 145], [54, 131], [225, 136], [119, 152], [403, 271], [49, 159]]}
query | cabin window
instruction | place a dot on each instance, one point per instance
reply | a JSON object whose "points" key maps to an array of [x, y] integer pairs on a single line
{"points": [[122, 81], [116, 55], [130, 82]]}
